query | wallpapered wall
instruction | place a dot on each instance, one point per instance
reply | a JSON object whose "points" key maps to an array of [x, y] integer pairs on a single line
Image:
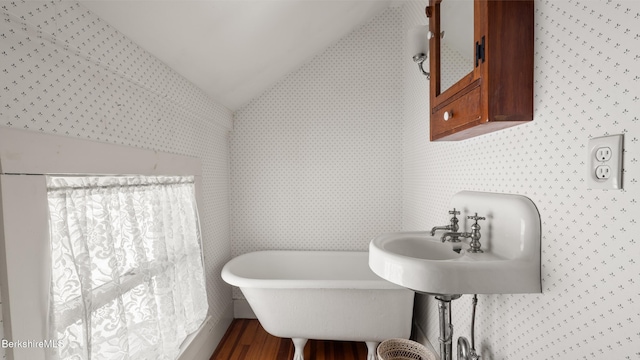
{"points": [[316, 161], [64, 71], [587, 74], [338, 152], [586, 69]]}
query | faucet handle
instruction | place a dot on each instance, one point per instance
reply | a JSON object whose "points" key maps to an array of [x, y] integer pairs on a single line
{"points": [[474, 245], [454, 220]]}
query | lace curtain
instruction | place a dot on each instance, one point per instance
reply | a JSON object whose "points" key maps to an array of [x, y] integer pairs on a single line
{"points": [[127, 277]]}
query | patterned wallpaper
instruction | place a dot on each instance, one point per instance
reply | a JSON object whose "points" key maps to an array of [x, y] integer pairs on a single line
{"points": [[64, 71], [338, 152], [587, 72], [316, 161]]}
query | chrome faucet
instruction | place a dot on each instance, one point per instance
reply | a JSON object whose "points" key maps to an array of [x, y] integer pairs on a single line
{"points": [[474, 235], [453, 226]]}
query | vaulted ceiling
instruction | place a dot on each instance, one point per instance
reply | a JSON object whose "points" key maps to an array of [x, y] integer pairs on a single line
{"points": [[235, 49]]}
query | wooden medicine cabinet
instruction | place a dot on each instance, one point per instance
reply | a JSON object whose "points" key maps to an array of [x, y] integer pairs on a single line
{"points": [[481, 66]]}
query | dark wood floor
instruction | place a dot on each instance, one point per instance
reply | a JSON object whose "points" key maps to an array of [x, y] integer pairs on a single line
{"points": [[247, 340]]}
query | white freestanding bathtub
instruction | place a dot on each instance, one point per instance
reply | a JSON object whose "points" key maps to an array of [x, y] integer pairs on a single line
{"points": [[325, 295]]}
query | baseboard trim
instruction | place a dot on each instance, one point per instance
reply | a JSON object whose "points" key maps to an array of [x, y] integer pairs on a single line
{"points": [[242, 309], [202, 344]]}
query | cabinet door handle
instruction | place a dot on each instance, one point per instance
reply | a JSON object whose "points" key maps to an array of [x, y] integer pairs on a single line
{"points": [[448, 115], [480, 51]]}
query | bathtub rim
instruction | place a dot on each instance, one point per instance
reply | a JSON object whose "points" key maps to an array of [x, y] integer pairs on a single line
{"points": [[232, 278]]}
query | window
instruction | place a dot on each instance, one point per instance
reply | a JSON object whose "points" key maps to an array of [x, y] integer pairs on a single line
{"points": [[29, 163], [127, 276]]}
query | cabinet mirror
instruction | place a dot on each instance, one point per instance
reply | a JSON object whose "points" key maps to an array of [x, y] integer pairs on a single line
{"points": [[456, 41]]}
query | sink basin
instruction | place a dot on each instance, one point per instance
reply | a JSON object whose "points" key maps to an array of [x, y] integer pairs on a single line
{"points": [[509, 264], [416, 245]]}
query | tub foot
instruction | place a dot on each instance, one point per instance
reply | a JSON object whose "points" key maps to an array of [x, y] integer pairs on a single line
{"points": [[372, 347], [298, 344]]}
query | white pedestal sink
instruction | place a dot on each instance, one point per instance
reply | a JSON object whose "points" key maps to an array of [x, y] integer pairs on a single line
{"points": [[509, 264]]}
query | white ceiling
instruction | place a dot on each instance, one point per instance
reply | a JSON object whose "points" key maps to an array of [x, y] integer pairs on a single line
{"points": [[235, 49]]}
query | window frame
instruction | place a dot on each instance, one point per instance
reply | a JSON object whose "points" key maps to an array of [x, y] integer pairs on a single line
{"points": [[25, 158]]}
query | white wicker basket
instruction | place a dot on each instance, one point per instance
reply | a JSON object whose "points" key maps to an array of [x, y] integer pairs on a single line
{"points": [[401, 349]]}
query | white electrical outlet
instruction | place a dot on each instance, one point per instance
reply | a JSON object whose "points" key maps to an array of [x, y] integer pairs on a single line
{"points": [[604, 168], [603, 172], [603, 153]]}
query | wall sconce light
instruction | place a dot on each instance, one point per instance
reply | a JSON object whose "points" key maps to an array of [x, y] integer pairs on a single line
{"points": [[419, 45]]}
